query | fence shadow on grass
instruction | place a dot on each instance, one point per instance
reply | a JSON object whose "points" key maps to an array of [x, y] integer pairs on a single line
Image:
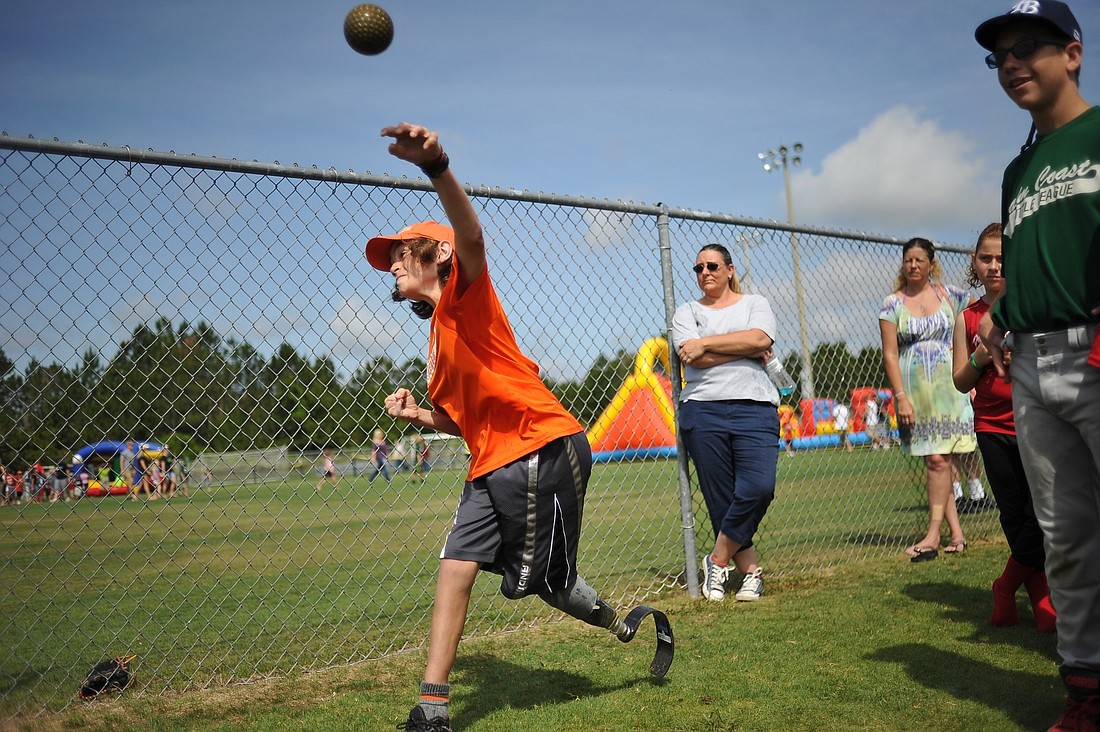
{"points": [[491, 683]]}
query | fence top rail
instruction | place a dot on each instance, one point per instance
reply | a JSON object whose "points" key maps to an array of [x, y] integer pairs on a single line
{"points": [[331, 174]]}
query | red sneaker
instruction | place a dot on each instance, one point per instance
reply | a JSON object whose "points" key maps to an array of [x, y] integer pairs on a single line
{"points": [[1079, 716]]}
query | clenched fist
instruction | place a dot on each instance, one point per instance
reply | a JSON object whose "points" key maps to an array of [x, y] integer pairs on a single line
{"points": [[402, 404]]}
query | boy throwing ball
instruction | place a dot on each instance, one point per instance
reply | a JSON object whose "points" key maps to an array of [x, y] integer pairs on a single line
{"points": [[520, 510]]}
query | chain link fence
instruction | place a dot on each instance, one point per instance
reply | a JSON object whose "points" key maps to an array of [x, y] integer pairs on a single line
{"points": [[220, 314]]}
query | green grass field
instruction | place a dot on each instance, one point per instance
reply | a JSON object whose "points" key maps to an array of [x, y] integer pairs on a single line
{"points": [[880, 644], [244, 583]]}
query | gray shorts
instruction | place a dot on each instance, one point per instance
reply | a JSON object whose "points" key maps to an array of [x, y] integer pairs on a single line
{"points": [[523, 520]]}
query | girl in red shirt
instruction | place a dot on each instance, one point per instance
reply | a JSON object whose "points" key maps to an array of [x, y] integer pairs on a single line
{"points": [[996, 431]]}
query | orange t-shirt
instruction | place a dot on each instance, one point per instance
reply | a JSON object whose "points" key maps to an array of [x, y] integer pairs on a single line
{"points": [[480, 378]]}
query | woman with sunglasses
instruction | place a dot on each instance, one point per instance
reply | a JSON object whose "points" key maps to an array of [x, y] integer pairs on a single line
{"points": [[935, 421], [728, 416]]}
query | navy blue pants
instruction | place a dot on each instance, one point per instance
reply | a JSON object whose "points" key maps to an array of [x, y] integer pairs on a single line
{"points": [[734, 445]]}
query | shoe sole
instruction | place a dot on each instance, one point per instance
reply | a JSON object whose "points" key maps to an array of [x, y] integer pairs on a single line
{"points": [[666, 645]]}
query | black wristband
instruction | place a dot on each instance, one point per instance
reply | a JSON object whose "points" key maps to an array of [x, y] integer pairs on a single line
{"points": [[438, 167]]}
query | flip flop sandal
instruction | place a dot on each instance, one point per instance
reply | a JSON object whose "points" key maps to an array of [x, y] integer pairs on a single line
{"points": [[955, 547], [923, 554]]}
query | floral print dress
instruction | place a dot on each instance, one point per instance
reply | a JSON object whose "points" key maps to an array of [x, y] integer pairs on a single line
{"points": [[944, 419]]}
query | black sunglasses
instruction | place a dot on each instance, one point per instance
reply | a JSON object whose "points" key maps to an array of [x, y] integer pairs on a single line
{"points": [[711, 267], [1021, 50]]}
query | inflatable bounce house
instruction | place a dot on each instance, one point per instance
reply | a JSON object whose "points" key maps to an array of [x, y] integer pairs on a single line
{"points": [[818, 429], [887, 417], [102, 462], [789, 428], [639, 422]]}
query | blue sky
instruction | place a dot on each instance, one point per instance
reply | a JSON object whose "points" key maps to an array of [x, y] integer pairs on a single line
{"points": [[905, 131]]}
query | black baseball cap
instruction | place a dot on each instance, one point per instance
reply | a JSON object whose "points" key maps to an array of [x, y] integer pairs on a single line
{"points": [[1055, 14]]}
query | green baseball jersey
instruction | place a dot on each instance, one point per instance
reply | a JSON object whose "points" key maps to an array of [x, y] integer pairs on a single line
{"points": [[1050, 207]]}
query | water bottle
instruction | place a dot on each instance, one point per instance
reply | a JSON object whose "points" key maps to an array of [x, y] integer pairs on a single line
{"points": [[779, 375]]}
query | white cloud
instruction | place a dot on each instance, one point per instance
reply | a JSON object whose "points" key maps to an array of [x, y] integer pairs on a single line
{"points": [[903, 174], [360, 332], [607, 229]]}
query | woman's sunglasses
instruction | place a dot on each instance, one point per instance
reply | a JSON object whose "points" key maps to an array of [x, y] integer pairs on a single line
{"points": [[711, 267]]}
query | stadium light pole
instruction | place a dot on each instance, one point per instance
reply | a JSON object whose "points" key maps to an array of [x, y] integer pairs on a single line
{"points": [[782, 157], [746, 240]]}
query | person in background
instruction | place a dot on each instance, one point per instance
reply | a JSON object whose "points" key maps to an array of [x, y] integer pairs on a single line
{"points": [[400, 456], [60, 480], [168, 470], [969, 464], [1050, 210], [422, 454], [143, 474], [127, 465], [37, 485], [7, 485], [328, 471], [788, 429], [916, 323], [728, 415], [380, 456], [155, 477], [996, 431], [841, 423], [181, 475], [872, 423]]}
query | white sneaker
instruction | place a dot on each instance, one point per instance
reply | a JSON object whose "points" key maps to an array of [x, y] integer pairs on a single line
{"points": [[714, 580], [751, 586]]}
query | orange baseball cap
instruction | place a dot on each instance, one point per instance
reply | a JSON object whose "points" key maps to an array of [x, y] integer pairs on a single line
{"points": [[378, 248]]}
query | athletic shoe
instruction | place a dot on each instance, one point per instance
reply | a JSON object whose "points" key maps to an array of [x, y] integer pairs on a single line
{"points": [[714, 581], [417, 722], [1079, 716], [751, 587]]}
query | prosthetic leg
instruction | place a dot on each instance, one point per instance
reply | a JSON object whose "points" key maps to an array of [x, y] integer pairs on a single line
{"points": [[581, 602]]}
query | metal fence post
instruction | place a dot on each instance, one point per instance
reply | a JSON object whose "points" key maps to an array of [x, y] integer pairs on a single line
{"points": [[687, 514]]}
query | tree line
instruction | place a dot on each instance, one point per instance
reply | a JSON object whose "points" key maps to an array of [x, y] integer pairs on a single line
{"points": [[188, 387]]}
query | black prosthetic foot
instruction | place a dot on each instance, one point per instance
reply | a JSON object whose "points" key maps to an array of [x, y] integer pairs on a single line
{"points": [[666, 647]]}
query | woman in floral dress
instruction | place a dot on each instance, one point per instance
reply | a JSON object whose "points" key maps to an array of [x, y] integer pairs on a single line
{"points": [[934, 420]]}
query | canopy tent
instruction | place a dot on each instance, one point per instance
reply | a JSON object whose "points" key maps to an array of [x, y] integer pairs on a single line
{"points": [[109, 452]]}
